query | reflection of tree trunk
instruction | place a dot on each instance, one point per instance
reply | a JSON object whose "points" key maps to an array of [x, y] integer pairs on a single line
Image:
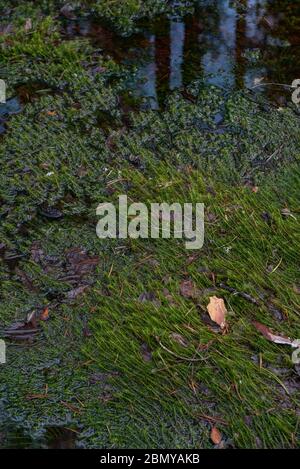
{"points": [[240, 47], [148, 75], [219, 61], [177, 34], [254, 37], [192, 49], [162, 57], [255, 12]]}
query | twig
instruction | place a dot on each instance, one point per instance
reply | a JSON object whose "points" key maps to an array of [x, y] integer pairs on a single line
{"points": [[244, 295], [212, 419], [179, 356]]}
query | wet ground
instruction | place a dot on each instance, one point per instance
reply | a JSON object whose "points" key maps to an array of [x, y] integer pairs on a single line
{"points": [[227, 44], [255, 46], [232, 45]]}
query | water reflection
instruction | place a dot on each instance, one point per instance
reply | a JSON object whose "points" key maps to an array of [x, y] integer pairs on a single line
{"points": [[256, 10], [147, 75], [226, 43], [218, 62], [177, 35], [12, 106], [24, 94]]}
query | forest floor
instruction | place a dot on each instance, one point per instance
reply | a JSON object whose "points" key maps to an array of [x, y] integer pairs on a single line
{"points": [[109, 342]]}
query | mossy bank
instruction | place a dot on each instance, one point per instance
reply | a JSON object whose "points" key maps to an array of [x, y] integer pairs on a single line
{"points": [[118, 356]]}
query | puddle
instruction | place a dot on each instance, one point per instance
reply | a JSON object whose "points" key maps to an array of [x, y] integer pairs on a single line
{"points": [[54, 438], [60, 438], [12, 106], [24, 94], [229, 44]]}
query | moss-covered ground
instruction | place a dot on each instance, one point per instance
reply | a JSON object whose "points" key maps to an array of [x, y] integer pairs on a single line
{"points": [[124, 359]]}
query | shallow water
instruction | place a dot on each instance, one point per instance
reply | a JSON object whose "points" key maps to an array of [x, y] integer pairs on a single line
{"points": [[222, 44], [24, 94], [254, 45]]}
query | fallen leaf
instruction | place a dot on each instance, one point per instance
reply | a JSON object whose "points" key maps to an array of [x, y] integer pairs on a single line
{"points": [[37, 254], [192, 258], [188, 289], [103, 377], [98, 70], [51, 113], [26, 280], [45, 314], [215, 436], [28, 25], [169, 297], [82, 171], [210, 217], [296, 289], [2, 249], [22, 330], [257, 81], [287, 213], [87, 265], [179, 339], [146, 352], [71, 407], [6, 29], [149, 296], [217, 311], [36, 396], [277, 313], [67, 11], [87, 332], [51, 213], [276, 339], [72, 294]]}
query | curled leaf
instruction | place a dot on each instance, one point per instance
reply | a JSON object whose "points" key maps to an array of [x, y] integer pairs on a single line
{"points": [[215, 436], [217, 311], [44, 314], [188, 289], [28, 24], [179, 339], [276, 339]]}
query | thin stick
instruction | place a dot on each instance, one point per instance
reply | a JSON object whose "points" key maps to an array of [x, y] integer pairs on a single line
{"points": [[179, 356]]}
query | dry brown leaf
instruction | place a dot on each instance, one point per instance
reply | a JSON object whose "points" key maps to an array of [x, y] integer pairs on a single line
{"points": [[67, 11], [188, 289], [277, 339], [146, 352], [72, 294], [45, 314], [36, 396], [258, 81], [215, 436], [28, 24], [296, 289], [217, 311], [6, 29], [179, 339], [287, 213], [169, 297]]}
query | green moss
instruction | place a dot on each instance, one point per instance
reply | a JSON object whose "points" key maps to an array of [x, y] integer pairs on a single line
{"points": [[72, 147]]}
